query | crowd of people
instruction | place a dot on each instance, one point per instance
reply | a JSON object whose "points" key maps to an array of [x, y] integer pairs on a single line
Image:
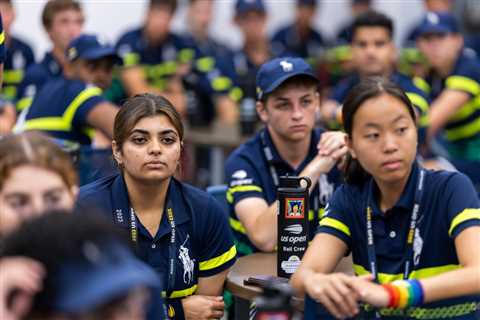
{"points": [[97, 216]]}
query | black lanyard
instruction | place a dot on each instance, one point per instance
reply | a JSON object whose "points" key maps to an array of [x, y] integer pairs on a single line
{"points": [[171, 247], [411, 231], [267, 152]]}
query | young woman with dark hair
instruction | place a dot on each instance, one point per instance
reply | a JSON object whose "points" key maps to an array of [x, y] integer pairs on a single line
{"points": [[413, 233], [180, 231]]}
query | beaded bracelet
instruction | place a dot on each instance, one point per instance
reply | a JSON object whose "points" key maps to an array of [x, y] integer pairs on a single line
{"points": [[404, 293]]}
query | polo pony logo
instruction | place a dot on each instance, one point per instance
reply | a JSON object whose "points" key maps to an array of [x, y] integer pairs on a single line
{"points": [[188, 263], [286, 66]]}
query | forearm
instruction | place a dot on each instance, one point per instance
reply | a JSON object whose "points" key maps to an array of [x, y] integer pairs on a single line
{"points": [[316, 168], [264, 233], [464, 281], [301, 275]]}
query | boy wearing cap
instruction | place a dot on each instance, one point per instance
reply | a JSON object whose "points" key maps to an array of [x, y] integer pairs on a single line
{"points": [[300, 39], [63, 21], [289, 144], [68, 107], [453, 84], [373, 54]]}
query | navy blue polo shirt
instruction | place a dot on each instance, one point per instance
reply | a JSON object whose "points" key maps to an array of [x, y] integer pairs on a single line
{"points": [[243, 72], [35, 77], [287, 42], [449, 205], [204, 244], [418, 97], [61, 108], [19, 56], [248, 174], [464, 125]]}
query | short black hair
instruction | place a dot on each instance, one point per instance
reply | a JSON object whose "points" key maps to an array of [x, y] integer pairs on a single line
{"points": [[372, 18], [58, 237]]}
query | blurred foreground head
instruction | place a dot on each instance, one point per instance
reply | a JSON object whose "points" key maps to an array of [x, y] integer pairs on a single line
{"points": [[91, 273]]}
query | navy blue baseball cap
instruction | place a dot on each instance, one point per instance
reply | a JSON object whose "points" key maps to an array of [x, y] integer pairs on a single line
{"points": [[276, 71], [243, 6], [108, 272], [88, 47], [437, 22]]}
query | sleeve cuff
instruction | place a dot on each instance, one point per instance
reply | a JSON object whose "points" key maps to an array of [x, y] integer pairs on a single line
{"points": [[175, 309]]}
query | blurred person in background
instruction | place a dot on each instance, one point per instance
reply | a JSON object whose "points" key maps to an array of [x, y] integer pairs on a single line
{"points": [[210, 93], [19, 54], [69, 107], [374, 54], [453, 85], [63, 21], [76, 267], [35, 176], [2, 50], [300, 39], [180, 231], [357, 7]]}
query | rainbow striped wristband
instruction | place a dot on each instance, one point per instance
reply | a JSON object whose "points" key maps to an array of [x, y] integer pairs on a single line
{"points": [[404, 293]]}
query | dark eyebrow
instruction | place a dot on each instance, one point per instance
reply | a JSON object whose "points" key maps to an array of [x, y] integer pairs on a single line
{"points": [[400, 117], [163, 132], [286, 99]]}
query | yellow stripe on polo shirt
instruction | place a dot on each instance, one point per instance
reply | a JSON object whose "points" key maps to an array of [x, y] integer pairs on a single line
{"points": [[63, 122], [243, 188], [467, 214], [464, 84], [218, 261], [336, 224], [183, 293]]}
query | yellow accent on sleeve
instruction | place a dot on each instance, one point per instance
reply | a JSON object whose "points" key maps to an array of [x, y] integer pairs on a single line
{"points": [[205, 64], [336, 224], [236, 94], [421, 84], [243, 188], [467, 214], [418, 101], [464, 84], [64, 122], [131, 59], [218, 261], [221, 83], [183, 293], [2, 37], [466, 131], [24, 103], [237, 226]]}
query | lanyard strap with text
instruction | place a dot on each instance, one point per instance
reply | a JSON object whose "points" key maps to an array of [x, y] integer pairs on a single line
{"points": [[411, 231], [171, 247], [267, 152]]}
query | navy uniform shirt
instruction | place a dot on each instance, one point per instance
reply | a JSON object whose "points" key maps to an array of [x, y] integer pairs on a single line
{"points": [[464, 125], [60, 109], [35, 77], [19, 56], [416, 95], [204, 244], [243, 72], [160, 62], [248, 174], [287, 42], [449, 205]]}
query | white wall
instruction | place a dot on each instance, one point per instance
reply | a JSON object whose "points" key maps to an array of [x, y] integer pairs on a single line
{"points": [[110, 18]]}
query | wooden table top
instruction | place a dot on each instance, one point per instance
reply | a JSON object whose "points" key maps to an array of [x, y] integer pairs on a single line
{"points": [[264, 264]]}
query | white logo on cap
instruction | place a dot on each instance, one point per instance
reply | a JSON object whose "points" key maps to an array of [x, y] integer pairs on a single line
{"points": [[432, 18], [286, 66], [240, 174]]}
